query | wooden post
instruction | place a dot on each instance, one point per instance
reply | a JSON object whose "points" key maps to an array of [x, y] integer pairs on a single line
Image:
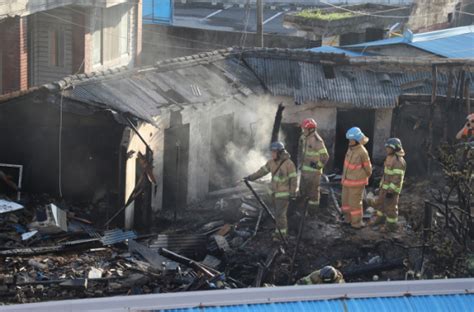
{"points": [[434, 73], [447, 110], [259, 38], [467, 95]]}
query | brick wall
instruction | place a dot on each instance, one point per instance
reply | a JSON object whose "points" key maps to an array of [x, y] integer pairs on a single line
{"points": [[13, 35]]}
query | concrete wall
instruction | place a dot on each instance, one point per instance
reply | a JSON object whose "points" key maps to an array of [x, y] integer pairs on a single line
{"points": [[382, 131], [162, 42], [429, 15]]}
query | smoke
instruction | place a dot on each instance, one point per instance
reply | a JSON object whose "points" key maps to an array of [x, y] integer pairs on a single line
{"points": [[249, 148]]}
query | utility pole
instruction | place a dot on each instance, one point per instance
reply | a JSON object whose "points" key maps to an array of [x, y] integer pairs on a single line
{"points": [[259, 39]]}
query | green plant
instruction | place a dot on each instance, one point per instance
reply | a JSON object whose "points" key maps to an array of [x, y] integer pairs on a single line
{"points": [[322, 15]]}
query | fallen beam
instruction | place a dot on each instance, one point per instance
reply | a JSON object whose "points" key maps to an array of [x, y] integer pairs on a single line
{"points": [[373, 268]]}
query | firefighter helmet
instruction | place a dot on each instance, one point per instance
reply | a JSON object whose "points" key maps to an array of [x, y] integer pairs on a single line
{"points": [[277, 146], [328, 274], [394, 143], [309, 123], [355, 134]]}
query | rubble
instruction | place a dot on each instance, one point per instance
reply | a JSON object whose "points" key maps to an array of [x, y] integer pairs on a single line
{"points": [[209, 248]]}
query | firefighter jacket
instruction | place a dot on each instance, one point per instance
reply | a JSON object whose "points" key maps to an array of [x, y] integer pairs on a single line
{"points": [[283, 176], [394, 172], [314, 154], [357, 167]]}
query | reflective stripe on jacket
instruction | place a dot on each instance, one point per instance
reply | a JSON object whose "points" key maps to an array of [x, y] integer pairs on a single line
{"points": [[357, 167], [284, 177], [394, 173], [314, 153]]}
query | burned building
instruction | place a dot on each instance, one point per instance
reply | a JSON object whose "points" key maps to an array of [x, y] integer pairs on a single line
{"points": [[163, 137]]}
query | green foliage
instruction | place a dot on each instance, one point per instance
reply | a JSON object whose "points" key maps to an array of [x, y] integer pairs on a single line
{"points": [[322, 15]]}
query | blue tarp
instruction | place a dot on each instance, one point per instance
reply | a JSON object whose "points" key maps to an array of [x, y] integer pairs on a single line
{"points": [[158, 11]]}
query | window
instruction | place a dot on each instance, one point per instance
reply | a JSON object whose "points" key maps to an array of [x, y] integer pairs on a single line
{"points": [[56, 47], [1, 71], [97, 37], [116, 21]]}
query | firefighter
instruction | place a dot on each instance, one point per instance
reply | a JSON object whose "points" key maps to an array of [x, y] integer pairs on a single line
{"points": [[467, 132], [327, 275], [386, 203], [284, 180], [314, 157], [355, 176]]}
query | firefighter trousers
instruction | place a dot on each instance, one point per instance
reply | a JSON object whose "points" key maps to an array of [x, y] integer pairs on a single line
{"points": [[386, 209], [352, 204], [281, 209], [310, 188]]}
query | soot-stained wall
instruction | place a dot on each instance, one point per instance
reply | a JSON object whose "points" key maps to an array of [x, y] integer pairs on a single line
{"points": [[29, 136]]}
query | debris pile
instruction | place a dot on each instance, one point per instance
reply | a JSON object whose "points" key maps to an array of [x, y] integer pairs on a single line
{"points": [[52, 253]]}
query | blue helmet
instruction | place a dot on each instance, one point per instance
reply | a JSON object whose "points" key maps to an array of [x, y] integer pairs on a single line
{"points": [[355, 134], [277, 146]]}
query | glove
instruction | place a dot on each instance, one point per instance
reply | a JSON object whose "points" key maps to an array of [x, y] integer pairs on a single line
{"points": [[245, 179], [389, 195], [313, 165]]}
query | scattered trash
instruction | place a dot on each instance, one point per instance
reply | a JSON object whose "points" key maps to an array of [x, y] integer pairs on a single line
{"points": [[54, 221], [28, 235], [9, 206], [94, 273]]}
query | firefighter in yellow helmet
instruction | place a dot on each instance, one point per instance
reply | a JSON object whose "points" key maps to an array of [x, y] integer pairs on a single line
{"points": [[386, 203], [284, 183], [355, 176], [314, 157]]}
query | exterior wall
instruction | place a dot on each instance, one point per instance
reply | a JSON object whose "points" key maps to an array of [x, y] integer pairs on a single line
{"points": [[29, 129], [162, 42], [27, 7], [13, 54], [429, 15], [41, 24], [382, 131]]}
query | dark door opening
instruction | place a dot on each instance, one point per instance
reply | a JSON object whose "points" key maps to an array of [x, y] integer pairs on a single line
{"points": [[346, 119], [175, 173], [291, 133], [222, 132]]}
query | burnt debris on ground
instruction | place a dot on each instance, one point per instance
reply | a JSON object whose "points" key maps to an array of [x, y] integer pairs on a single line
{"points": [[53, 251]]}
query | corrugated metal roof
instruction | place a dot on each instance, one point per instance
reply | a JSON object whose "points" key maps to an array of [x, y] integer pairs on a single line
{"points": [[143, 94], [396, 304], [362, 87], [451, 43]]}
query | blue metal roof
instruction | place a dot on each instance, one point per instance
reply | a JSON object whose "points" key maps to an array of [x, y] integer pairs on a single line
{"points": [[439, 303], [336, 50], [451, 43]]}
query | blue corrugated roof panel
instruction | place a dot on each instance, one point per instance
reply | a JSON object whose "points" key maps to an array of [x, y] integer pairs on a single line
{"points": [[438, 303], [451, 43], [460, 46], [336, 50]]}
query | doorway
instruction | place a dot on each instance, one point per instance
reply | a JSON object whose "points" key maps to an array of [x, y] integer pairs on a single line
{"points": [[291, 134], [222, 132], [175, 172], [346, 119]]}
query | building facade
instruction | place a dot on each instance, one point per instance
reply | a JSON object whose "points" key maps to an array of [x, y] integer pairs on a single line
{"points": [[44, 41]]}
